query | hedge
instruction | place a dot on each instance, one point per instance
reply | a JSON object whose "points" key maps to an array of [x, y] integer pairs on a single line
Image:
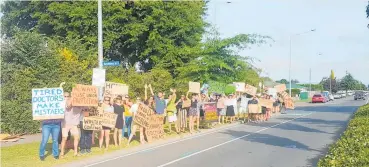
{"points": [[352, 149]]}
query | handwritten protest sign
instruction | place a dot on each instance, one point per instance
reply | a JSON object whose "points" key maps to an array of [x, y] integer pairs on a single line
{"points": [[48, 103], [93, 112], [289, 103], [266, 103], [254, 109], [109, 120], [240, 86], [143, 115], [284, 95], [92, 123], [194, 87], [280, 87], [84, 95], [114, 89], [210, 111], [251, 90], [155, 130]]}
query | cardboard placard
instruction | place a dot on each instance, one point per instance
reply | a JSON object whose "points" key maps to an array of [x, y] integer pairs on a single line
{"points": [[240, 86], [253, 109], [251, 90], [92, 123], [289, 103], [280, 87], [284, 95], [155, 130], [112, 89], [194, 87], [143, 114], [266, 103], [109, 119], [48, 103], [210, 110], [85, 95], [94, 112]]}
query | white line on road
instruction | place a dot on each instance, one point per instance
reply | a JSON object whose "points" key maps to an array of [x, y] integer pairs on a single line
{"points": [[199, 152], [156, 147]]}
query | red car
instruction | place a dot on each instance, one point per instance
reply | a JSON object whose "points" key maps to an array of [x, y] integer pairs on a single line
{"points": [[319, 98]]}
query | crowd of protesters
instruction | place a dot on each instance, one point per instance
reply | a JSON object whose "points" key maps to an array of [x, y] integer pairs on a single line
{"points": [[184, 114]]}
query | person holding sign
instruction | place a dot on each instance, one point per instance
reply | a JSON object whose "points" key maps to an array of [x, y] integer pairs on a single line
{"points": [[194, 111], [119, 110], [128, 116], [159, 101], [172, 111], [107, 107], [221, 112], [70, 124], [133, 110]]}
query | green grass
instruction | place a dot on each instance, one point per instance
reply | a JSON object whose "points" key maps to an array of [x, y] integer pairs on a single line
{"points": [[24, 155]]}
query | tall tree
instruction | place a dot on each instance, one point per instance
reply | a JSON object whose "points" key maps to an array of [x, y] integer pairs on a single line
{"points": [[283, 81], [348, 82], [219, 61], [163, 33]]}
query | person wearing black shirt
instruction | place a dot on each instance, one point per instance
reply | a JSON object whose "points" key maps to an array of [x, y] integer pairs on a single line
{"points": [[119, 110]]}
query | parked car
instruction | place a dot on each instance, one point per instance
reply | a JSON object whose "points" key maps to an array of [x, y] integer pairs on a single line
{"points": [[331, 98], [319, 98], [359, 95], [337, 96]]}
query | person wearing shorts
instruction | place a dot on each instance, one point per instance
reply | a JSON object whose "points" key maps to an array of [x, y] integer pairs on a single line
{"points": [[221, 112], [243, 106], [107, 107], [70, 124]]}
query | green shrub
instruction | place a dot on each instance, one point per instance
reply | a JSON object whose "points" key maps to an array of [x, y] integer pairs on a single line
{"points": [[352, 149]]}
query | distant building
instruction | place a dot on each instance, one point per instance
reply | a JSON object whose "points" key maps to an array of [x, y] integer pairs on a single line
{"points": [[296, 86]]}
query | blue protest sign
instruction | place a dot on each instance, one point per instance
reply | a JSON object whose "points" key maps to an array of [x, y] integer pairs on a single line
{"points": [[48, 103], [111, 63]]}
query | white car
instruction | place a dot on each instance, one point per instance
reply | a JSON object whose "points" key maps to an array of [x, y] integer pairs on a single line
{"points": [[336, 96], [331, 98]]}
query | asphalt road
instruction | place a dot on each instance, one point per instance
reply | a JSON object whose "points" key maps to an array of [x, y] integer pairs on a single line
{"points": [[296, 139]]}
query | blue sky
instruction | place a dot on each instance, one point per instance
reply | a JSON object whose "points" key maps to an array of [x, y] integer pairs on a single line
{"points": [[341, 36]]}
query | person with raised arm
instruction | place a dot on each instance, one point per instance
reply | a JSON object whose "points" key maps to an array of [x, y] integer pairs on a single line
{"points": [[172, 111], [159, 102], [119, 110]]}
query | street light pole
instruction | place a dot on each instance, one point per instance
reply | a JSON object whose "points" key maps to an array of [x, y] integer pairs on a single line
{"points": [[290, 87], [100, 33], [100, 41]]}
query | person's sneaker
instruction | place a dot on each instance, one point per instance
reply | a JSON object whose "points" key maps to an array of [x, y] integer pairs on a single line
{"points": [[88, 150], [56, 157], [83, 151], [42, 158]]}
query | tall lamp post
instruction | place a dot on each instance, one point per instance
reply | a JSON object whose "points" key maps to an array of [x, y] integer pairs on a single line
{"points": [[312, 30], [100, 41]]}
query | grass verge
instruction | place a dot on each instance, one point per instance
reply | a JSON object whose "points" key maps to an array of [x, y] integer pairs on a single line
{"points": [[352, 149], [27, 154]]}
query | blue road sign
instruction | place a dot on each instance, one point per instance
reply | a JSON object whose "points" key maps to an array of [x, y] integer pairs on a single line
{"points": [[111, 63]]}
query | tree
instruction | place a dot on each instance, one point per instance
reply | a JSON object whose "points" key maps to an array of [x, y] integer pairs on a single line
{"points": [[163, 33], [219, 62], [367, 12], [348, 82], [329, 84], [283, 81]]}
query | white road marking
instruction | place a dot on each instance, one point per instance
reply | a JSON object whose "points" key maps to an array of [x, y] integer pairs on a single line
{"points": [[199, 152], [159, 146]]}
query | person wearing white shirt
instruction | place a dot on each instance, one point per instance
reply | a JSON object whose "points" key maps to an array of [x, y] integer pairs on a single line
{"points": [[243, 106], [133, 110]]}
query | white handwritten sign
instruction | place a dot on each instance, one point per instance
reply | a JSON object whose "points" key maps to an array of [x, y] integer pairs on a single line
{"points": [[48, 103]]}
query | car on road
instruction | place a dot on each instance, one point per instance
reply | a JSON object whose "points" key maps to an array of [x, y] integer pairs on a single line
{"points": [[328, 95], [319, 98], [359, 95], [337, 96], [331, 98]]}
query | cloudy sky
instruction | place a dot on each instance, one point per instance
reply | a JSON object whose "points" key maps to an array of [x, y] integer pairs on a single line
{"points": [[340, 42]]}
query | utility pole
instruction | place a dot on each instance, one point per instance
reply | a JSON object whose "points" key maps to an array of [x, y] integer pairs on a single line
{"points": [[100, 41]]}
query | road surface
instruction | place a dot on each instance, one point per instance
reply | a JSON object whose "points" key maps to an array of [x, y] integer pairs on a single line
{"points": [[296, 139]]}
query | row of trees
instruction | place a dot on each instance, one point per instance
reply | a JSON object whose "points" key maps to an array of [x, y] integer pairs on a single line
{"points": [[348, 82], [47, 43]]}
